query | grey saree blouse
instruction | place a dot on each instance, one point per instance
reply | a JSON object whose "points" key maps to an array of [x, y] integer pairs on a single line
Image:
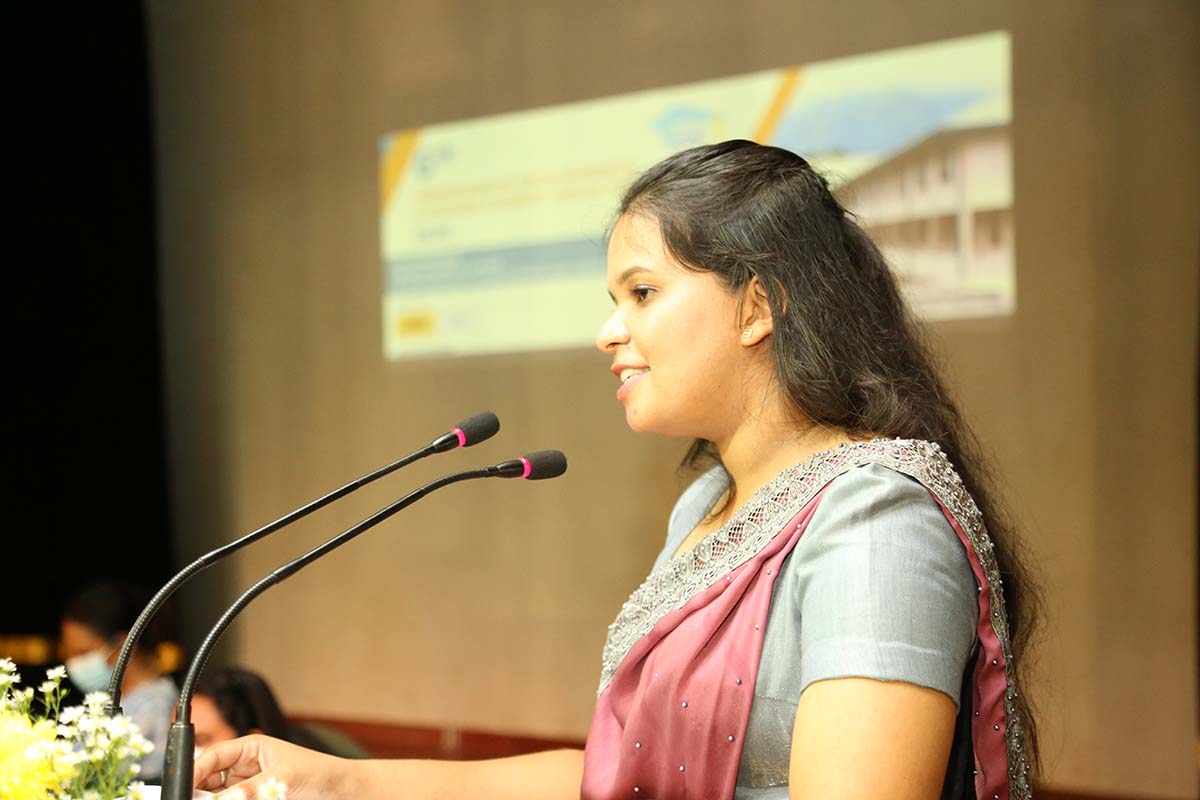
{"points": [[879, 586]]}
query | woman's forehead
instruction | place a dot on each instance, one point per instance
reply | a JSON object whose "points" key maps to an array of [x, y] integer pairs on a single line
{"points": [[636, 244], [637, 233], [76, 635]]}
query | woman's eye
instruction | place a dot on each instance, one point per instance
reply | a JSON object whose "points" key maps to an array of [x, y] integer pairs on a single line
{"points": [[640, 293]]}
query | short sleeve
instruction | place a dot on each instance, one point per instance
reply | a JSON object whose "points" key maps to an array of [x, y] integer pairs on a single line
{"points": [[883, 588]]}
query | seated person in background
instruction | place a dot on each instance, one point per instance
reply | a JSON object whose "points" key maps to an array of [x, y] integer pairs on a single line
{"points": [[94, 626], [230, 702]]}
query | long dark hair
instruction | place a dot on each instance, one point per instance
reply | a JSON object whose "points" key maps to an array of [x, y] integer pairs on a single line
{"points": [[244, 700], [848, 354]]}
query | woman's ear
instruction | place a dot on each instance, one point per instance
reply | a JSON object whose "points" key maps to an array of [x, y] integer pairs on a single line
{"points": [[755, 317]]}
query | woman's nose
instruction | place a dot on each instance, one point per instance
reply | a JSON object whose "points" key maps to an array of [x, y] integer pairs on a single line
{"points": [[612, 332]]}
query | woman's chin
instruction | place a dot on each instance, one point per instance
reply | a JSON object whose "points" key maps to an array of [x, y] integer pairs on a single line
{"points": [[640, 422]]}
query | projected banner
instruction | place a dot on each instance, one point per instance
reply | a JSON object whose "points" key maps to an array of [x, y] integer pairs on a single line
{"points": [[493, 229]]}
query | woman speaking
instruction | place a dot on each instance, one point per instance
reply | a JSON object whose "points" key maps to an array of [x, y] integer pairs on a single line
{"points": [[837, 611]]}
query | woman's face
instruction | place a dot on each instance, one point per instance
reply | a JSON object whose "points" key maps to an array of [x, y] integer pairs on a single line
{"points": [[210, 726], [673, 338]]}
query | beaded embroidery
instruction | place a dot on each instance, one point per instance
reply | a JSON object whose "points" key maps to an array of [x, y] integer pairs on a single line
{"points": [[670, 587]]}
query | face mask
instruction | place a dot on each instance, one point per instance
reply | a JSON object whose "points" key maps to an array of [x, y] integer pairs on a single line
{"points": [[90, 671]]}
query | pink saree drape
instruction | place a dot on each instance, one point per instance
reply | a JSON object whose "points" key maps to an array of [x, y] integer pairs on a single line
{"points": [[682, 657]]}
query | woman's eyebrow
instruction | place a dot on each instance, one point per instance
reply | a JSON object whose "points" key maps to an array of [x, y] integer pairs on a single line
{"points": [[629, 273]]}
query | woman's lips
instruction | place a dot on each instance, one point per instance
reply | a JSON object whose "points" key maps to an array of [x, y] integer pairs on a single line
{"points": [[627, 386]]}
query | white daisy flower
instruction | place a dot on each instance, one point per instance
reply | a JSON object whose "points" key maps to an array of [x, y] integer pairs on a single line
{"points": [[273, 789], [95, 702]]}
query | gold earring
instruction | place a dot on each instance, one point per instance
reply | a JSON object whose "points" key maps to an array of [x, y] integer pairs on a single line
{"points": [[747, 333]]}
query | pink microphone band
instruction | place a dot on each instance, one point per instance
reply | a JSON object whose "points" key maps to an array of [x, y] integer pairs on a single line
{"points": [[462, 437], [528, 468]]}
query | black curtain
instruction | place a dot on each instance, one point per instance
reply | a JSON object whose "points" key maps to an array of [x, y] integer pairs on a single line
{"points": [[85, 465]]}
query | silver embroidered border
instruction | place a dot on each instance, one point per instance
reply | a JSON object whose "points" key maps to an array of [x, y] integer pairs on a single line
{"points": [[670, 587]]}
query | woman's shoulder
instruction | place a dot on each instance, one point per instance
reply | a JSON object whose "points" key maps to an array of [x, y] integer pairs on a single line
{"points": [[895, 480], [883, 584], [873, 482], [877, 503]]}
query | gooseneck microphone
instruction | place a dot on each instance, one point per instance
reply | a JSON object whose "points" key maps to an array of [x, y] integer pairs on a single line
{"points": [[534, 467], [181, 740], [470, 431]]}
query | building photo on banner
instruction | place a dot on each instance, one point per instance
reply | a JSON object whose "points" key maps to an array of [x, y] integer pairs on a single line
{"points": [[492, 230]]}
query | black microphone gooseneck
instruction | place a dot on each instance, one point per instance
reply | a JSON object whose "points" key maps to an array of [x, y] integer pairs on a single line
{"points": [[472, 430], [181, 740]]}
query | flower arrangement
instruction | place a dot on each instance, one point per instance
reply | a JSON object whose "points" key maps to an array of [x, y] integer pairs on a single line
{"points": [[74, 753]]}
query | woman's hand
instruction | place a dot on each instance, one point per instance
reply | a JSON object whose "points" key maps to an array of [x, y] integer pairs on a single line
{"points": [[249, 762]]}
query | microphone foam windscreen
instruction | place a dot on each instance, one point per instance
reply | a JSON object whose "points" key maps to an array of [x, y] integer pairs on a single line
{"points": [[546, 464], [479, 428]]}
